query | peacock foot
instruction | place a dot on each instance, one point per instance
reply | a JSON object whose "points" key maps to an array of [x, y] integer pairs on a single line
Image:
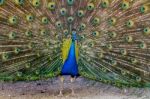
{"points": [[60, 94], [73, 94]]}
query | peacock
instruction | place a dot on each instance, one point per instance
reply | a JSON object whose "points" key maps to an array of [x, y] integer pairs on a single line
{"points": [[102, 40]]}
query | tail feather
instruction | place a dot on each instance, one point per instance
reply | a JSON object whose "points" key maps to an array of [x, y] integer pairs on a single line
{"points": [[113, 39]]}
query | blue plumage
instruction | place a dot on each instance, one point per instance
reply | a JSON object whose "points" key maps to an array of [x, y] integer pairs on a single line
{"points": [[70, 66]]}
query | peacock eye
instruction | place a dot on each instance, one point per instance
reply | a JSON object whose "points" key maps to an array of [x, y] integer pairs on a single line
{"points": [[142, 45], [146, 31], [95, 33], [96, 21], [17, 50], [36, 3], [109, 46], [130, 23], [70, 19], [12, 20], [112, 21], [19, 2], [112, 34], [19, 74], [44, 32], [51, 5], [5, 56], [123, 72], [2, 2], [82, 37], [80, 13], [123, 52], [82, 26], [12, 35], [113, 62], [105, 3], [144, 9], [31, 45], [66, 32], [90, 6], [128, 38], [28, 65], [29, 33], [91, 44], [138, 79], [29, 17], [133, 60], [125, 5], [58, 24], [63, 11], [100, 55], [44, 20], [70, 2]]}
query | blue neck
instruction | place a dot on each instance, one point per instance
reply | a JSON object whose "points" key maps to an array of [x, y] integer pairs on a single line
{"points": [[70, 66]]}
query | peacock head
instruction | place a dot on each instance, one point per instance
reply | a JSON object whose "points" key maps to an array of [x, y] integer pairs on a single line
{"points": [[74, 35]]}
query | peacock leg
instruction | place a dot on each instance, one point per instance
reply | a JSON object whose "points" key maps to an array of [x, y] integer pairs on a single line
{"points": [[72, 79], [61, 85]]}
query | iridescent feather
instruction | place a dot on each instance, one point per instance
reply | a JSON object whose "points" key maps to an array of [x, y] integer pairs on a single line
{"points": [[113, 39]]}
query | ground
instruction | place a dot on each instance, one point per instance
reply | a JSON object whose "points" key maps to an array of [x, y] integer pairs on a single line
{"points": [[84, 89]]}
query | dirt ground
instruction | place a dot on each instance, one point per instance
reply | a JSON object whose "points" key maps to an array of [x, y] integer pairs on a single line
{"points": [[84, 89]]}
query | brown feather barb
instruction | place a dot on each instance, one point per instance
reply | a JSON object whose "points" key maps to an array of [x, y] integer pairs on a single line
{"points": [[113, 39]]}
